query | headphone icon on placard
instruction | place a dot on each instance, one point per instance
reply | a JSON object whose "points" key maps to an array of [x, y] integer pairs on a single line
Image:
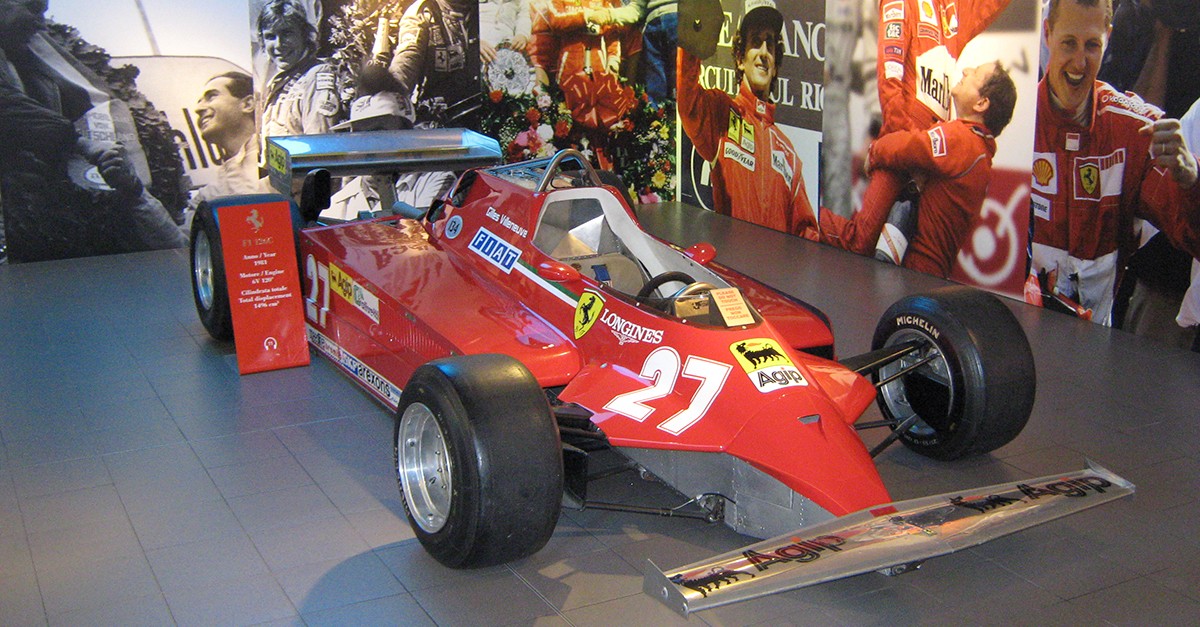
{"points": [[271, 344]]}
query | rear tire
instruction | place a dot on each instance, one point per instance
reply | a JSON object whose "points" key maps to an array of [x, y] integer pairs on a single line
{"points": [[209, 288], [478, 460], [976, 393]]}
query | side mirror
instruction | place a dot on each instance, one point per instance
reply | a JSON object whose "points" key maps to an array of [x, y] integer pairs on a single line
{"points": [[407, 210], [557, 271], [314, 195], [702, 253]]}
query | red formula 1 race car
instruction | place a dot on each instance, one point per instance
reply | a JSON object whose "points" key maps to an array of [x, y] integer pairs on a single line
{"points": [[527, 319]]}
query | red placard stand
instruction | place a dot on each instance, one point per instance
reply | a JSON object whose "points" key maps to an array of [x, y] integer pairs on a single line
{"points": [[264, 286]]}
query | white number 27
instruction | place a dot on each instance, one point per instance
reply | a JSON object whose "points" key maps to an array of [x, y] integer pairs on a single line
{"points": [[662, 367]]}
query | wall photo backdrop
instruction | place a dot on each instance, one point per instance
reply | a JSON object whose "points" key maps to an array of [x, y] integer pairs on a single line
{"points": [[900, 129]]}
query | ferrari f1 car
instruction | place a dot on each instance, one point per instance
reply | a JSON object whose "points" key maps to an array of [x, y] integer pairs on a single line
{"points": [[526, 320]]}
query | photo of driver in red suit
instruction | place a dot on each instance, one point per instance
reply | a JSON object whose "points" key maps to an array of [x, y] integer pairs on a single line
{"points": [[757, 174], [570, 46]]}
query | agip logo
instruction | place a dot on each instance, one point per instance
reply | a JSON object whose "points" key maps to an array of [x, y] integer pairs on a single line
{"points": [[767, 365], [587, 312]]}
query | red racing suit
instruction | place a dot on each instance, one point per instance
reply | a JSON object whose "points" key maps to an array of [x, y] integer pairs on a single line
{"points": [[757, 175], [919, 44], [956, 158], [1090, 183], [584, 59]]}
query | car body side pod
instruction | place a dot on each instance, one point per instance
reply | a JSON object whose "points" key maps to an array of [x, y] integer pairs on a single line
{"points": [[891, 539]]}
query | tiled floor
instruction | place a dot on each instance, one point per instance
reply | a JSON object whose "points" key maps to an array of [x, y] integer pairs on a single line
{"points": [[142, 481]]}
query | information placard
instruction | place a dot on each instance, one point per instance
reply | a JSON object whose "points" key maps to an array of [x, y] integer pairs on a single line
{"points": [[264, 286]]}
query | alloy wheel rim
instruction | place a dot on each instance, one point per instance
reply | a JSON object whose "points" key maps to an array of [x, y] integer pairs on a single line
{"points": [[424, 467]]}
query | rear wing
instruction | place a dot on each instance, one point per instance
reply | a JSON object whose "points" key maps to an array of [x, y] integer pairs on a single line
{"points": [[891, 539], [377, 152]]}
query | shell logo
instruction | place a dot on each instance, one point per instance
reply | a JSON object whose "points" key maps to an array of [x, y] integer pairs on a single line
{"points": [[1043, 171], [926, 10]]}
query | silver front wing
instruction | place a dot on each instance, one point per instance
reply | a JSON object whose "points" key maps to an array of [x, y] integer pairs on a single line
{"points": [[888, 538]]}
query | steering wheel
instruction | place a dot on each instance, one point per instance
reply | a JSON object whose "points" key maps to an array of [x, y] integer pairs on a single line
{"points": [[662, 279], [699, 287]]}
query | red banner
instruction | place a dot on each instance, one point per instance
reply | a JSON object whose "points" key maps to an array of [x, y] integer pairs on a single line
{"points": [[264, 286]]}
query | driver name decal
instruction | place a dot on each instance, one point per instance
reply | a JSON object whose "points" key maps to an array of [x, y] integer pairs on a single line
{"points": [[767, 365], [507, 222], [497, 251]]}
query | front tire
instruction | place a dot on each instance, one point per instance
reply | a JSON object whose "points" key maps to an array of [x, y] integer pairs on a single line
{"points": [[976, 392], [208, 275], [478, 460]]}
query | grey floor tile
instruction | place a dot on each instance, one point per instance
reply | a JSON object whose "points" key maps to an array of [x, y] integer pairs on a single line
{"points": [[116, 413], [283, 508], [583, 579], [269, 474], [147, 611], [326, 435], [179, 487], [1131, 602], [51, 447], [381, 527], [15, 557], [21, 601], [84, 543], [337, 583], [310, 542], [137, 434], [207, 562], [639, 609], [90, 506], [499, 598], [146, 464], [183, 522], [247, 601], [887, 606], [57, 477], [362, 494], [90, 586], [1057, 562], [345, 465], [239, 449], [1183, 578], [399, 610]]}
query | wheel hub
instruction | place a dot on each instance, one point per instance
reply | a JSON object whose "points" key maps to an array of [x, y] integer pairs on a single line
{"points": [[926, 392], [424, 467], [203, 269]]}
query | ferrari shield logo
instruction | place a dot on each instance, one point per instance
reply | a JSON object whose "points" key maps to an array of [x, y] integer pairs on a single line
{"points": [[587, 311], [1089, 176]]}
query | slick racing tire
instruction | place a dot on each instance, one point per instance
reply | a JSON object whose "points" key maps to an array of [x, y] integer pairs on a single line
{"points": [[208, 275], [975, 393], [478, 460]]}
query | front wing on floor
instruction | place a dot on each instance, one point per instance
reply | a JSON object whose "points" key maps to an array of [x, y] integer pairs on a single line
{"points": [[891, 538]]}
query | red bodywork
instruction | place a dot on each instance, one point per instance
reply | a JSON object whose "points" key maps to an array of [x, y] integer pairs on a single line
{"points": [[385, 296]]}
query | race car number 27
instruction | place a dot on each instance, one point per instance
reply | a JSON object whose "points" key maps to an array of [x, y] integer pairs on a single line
{"points": [[663, 368]]}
